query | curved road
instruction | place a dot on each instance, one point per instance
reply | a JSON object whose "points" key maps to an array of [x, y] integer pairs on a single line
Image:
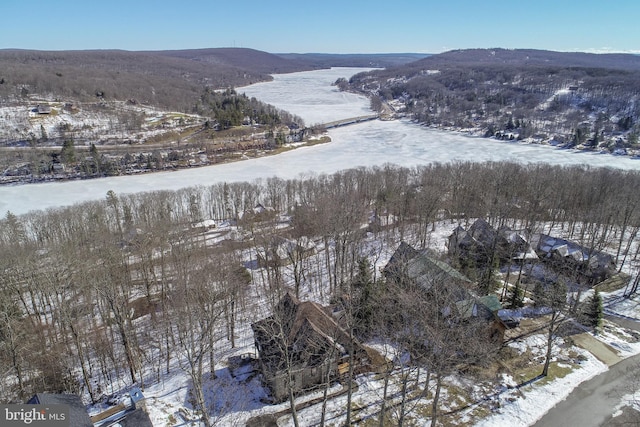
{"points": [[592, 403]]}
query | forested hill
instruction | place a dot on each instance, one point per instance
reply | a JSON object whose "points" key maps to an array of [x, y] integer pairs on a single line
{"points": [[578, 99], [533, 57], [167, 79], [252, 60]]}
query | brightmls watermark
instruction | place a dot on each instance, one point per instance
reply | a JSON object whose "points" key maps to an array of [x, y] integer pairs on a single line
{"points": [[34, 415]]}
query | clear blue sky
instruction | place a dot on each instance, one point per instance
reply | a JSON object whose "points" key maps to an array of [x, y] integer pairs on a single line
{"points": [[347, 26]]}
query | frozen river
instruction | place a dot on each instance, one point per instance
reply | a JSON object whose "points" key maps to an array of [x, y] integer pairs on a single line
{"points": [[311, 96]]}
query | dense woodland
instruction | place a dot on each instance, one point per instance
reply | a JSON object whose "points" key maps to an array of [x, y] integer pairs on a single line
{"points": [[128, 289], [230, 109], [577, 99], [152, 78]]}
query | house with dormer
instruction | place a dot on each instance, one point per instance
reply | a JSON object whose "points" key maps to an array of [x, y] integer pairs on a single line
{"points": [[302, 345]]}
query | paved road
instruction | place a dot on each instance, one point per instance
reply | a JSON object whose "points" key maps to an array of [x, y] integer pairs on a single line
{"points": [[592, 402]]}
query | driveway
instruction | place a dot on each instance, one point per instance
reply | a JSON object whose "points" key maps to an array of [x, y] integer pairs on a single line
{"points": [[603, 352]]}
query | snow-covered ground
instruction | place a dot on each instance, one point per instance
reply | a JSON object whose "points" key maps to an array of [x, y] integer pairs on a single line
{"points": [[87, 122], [237, 402], [510, 404], [525, 405], [311, 96]]}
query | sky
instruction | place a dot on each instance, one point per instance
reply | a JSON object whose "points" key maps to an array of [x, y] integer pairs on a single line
{"points": [[327, 26]]}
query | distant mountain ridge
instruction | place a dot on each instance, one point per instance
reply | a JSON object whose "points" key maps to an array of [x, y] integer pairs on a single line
{"points": [[248, 59], [376, 60], [501, 56]]}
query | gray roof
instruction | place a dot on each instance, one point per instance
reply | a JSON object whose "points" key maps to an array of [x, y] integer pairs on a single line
{"points": [[137, 418], [424, 270], [78, 416]]}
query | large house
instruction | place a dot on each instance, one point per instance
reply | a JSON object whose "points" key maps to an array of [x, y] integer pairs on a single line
{"points": [[481, 244], [582, 264], [410, 267], [302, 346]]}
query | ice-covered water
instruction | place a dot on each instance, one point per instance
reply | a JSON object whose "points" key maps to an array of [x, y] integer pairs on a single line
{"points": [[311, 96]]}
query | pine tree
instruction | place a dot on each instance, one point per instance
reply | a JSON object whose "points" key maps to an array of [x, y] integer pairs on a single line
{"points": [[363, 289], [96, 157], [516, 297], [510, 125], [539, 294], [592, 311], [68, 152]]}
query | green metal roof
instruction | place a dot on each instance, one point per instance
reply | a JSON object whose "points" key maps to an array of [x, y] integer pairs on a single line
{"points": [[492, 302]]}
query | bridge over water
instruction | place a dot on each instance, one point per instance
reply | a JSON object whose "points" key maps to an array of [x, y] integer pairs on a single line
{"points": [[350, 121]]}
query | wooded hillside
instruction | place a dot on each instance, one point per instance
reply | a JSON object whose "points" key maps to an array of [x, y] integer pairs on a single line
{"points": [[577, 99], [171, 79]]}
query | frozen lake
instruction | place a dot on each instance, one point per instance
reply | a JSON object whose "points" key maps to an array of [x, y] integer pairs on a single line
{"points": [[311, 96]]}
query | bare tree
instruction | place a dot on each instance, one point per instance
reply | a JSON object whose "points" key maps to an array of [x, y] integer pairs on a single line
{"points": [[555, 297], [436, 323], [198, 303]]}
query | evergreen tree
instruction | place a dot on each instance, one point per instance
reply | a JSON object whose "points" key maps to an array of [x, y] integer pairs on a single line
{"points": [[488, 282], [516, 297], [591, 313], [43, 133], [510, 125], [68, 152], [96, 158], [363, 288], [539, 294]]}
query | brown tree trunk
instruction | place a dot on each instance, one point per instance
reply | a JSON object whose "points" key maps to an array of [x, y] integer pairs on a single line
{"points": [[436, 397]]}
